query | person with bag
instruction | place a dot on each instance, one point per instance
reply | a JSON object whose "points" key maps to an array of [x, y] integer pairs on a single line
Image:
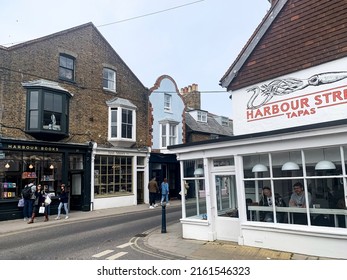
{"points": [[48, 201], [64, 200], [27, 194], [39, 205]]}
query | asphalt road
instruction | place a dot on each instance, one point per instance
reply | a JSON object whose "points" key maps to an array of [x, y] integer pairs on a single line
{"points": [[112, 237]]}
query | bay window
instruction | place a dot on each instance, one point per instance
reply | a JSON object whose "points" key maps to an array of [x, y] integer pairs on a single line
{"points": [[306, 187]]}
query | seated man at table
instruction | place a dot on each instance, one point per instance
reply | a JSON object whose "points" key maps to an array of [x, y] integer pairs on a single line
{"points": [[298, 199], [266, 200]]}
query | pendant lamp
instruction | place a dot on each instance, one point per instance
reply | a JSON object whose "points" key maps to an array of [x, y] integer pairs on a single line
{"points": [[290, 165], [199, 172], [259, 168], [325, 165]]}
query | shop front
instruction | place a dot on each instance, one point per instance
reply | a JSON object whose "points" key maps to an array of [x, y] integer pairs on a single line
{"points": [[49, 164], [119, 177], [226, 182]]}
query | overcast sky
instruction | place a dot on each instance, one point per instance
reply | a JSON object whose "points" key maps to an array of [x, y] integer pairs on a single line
{"points": [[191, 41]]}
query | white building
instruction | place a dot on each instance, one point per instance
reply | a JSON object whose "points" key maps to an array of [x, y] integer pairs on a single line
{"points": [[289, 96]]}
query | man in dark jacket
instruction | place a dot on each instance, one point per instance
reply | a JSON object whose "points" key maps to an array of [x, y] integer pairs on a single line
{"points": [[153, 190], [266, 200]]}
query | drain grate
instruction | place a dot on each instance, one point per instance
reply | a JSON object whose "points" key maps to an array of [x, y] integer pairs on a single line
{"points": [[141, 235]]}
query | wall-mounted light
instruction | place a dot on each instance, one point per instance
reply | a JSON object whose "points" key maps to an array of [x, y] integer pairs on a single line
{"points": [[31, 166], [7, 165], [51, 166]]}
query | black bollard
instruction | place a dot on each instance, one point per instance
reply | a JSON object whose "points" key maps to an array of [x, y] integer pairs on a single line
{"points": [[163, 217]]}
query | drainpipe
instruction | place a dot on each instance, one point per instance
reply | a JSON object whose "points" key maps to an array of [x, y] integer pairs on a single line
{"points": [[92, 176]]}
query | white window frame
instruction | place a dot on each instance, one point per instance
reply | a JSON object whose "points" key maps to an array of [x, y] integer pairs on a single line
{"points": [[168, 134], [202, 116], [109, 78], [167, 102], [120, 124]]}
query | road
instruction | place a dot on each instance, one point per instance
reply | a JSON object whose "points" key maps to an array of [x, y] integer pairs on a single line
{"points": [[111, 237]]}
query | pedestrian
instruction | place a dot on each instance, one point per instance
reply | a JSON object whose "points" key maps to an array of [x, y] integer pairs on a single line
{"points": [[38, 202], [28, 194], [153, 190], [48, 199], [165, 192], [64, 200]]}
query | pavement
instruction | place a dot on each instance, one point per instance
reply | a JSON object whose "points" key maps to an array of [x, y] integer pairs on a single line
{"points": [[172, 240]]}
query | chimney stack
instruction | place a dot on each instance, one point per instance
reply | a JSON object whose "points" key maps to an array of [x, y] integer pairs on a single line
{"points": [[191, 96]]}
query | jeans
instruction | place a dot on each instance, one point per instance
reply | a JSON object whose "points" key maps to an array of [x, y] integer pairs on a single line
{"points": [[28, 208], [165, 197], [48, 209], [65, 207]]}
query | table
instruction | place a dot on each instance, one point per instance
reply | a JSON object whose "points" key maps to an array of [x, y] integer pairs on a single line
{"points": [[291, 210]]}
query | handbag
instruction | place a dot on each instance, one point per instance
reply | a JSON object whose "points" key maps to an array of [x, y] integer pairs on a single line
{"points": [[21, 202], [42, 210], [48, 200]]}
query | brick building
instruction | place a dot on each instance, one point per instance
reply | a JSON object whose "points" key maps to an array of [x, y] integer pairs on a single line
{"points": [[71, 112]]}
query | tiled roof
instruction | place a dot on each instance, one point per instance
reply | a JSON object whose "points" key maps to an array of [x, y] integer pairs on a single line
{"points": [[212, 126]]}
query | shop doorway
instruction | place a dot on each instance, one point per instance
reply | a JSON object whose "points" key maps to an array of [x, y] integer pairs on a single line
{"points": [[140, 189], [75, 190]]}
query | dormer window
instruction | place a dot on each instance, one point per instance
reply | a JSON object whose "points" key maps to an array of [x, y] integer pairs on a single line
{"points": [[225, 121], [202, 116]]}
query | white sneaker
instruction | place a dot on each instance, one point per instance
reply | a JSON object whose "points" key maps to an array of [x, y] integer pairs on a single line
{"points": [[57, 218], [155, 205], [151, 207], [167, 203], [66, 217]]}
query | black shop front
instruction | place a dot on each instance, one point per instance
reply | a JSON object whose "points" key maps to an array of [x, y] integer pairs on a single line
{"points": [[49, 164]]}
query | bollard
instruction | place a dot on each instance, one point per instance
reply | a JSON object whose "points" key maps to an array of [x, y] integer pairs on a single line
{"points": [[163, 217]]}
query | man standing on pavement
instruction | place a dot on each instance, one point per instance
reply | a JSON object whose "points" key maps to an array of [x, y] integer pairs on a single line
{"points": [[153, 190]]}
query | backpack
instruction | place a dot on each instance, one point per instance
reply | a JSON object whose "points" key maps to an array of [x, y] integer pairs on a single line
{"points": [[26, 192]]}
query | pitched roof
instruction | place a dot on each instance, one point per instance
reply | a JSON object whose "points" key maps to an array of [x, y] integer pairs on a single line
{"points": [[212, 126], [294, 35]]}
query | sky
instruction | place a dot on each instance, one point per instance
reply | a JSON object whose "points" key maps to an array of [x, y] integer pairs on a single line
{"points": [[192, 41]]}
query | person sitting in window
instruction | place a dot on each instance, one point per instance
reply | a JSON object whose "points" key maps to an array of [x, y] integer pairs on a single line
{"points": [[298, 199], [266, 200]]}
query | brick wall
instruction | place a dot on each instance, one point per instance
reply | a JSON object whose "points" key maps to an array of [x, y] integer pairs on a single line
{"points": [[39, 59]]}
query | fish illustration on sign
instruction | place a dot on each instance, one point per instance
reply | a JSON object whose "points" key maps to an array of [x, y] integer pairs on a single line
{"points": [[263, 94]]}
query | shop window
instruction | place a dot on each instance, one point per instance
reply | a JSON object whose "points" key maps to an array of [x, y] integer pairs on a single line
{"points": [[47, 111], [76, 162], [112, 176], [66, 67], [312, 193], [109, 79], [194, 184]]}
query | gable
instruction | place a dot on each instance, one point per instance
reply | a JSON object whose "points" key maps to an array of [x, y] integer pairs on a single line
{"points": [[304, 33]]}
